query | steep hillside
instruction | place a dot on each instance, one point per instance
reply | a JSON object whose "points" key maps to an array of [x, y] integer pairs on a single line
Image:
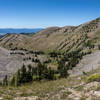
{"points": [[8, 63], [54, 38], [88, 63]]}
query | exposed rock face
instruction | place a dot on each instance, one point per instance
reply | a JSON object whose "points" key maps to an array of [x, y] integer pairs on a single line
{"points": [[11, 61], [8, 64], [88, 63]]}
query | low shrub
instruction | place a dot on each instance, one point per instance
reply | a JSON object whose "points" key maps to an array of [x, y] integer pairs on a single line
{"points": [[92, 78]]}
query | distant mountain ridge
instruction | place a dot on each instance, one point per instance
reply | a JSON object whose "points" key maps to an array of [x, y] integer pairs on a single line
{"points": [[19, 30], [68, 38]]}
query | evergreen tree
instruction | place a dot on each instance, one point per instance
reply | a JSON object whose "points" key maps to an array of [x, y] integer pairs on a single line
{"points": [[17, 78], [40, 69], [64, 72], [29, 74], [62, 69], [12, 80], [23, 73], [50, 74], [34, 71], [5, 81]]}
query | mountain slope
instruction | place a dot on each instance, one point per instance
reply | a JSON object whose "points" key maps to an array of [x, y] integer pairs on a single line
{"points": [[54, 38], [8, 64]]}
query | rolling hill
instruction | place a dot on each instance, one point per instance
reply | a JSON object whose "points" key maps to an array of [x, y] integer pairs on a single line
{"points": [[66, 38]]}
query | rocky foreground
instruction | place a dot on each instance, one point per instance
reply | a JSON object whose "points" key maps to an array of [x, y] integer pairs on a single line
{"points": [[90, 91], [72, 88]]}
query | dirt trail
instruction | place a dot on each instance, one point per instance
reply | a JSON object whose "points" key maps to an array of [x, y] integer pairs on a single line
{"points": [[88, 63]]}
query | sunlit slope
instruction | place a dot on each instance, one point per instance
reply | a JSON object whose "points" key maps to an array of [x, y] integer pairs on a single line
{"points": [[54, 38]]}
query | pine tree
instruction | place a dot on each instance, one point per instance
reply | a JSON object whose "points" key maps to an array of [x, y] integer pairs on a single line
{"points": [[23, 74], [5, 81], [40, 68], [12, 80], [64, 72], [62, 69], [17, 78], [29, 74], [50, 74]]}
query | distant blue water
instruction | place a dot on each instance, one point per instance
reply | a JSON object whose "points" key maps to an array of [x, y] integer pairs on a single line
{"points": [[9, 30], [2, 33]]}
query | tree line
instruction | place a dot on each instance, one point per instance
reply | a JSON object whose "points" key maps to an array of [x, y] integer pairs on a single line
{"points": [[29, 73]]}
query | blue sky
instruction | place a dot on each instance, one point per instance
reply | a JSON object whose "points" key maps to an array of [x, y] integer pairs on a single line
{"points": [[47, 13]]}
